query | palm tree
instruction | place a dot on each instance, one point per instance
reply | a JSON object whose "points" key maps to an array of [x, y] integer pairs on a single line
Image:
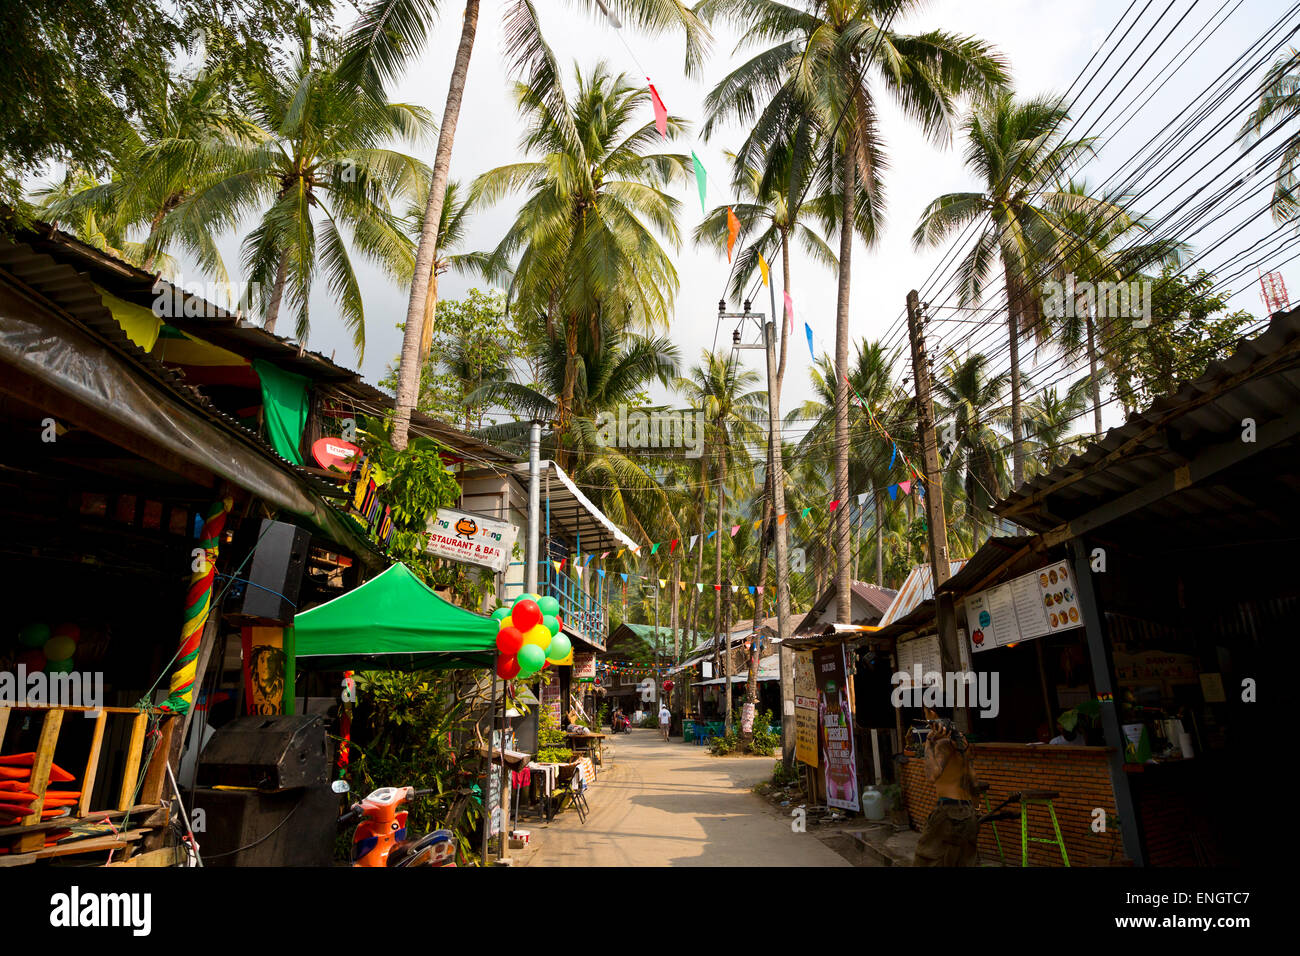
{"points": [[874, 467], [582, 252], [1108, 251], [1016, 149], [1050, 418], [176, 144], [390, 32], [776, 212], [618, 372], [318, 172], [732, 406], [971, 399], [1279, 104], [830, 58]]}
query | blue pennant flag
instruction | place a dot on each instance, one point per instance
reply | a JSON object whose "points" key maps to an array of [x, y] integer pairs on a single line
{"points": [[711, 534], [893, 492], [601, 572], [808, 330], [892, 457], [624, 577]]}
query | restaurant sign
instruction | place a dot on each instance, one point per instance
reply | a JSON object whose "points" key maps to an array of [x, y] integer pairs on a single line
{"points": [[837, 728], [1043, 602], [470, 538]]}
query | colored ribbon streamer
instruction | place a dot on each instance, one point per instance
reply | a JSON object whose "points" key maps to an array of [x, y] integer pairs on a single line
{"points": [[198, 606]]}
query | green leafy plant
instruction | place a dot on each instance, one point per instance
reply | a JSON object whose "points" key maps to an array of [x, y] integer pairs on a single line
{"points": [[783, 776], [554, 755]]}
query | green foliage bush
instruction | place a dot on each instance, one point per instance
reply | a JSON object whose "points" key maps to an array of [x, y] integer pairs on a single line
{"points": [[650, 722]]}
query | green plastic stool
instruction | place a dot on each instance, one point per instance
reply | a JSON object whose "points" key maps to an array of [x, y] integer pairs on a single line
{"points": [[983, 788], [1040, 798]]}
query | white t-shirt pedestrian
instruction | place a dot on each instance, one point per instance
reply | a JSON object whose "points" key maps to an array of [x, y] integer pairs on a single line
{"points": [[665, 715]]}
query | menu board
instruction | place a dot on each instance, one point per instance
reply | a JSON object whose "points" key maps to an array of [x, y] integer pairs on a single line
{"points": [[924, 651], [1032, 605]]}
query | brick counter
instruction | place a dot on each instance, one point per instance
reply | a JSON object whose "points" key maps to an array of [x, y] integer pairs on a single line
{"points": [[1078, 774]]}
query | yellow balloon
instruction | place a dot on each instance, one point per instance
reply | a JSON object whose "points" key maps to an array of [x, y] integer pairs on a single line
{"points": [[539, 635], [506, 621]]}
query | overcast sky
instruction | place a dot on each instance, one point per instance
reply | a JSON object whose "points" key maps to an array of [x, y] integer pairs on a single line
{"points": [[1046, 44]]}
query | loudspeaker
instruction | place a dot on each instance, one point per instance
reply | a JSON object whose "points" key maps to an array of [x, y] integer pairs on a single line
{"points": [[275, 577]]}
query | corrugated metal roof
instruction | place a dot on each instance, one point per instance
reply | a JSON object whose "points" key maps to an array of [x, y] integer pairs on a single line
{"points": [[918, 587], [1259, 381]]}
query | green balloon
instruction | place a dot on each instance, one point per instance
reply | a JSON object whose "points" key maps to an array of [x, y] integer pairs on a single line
{"points": [[551, 624], [500, 613], [34, 635], [59, 667], [560, 648], [531, 659], [549, 606]]}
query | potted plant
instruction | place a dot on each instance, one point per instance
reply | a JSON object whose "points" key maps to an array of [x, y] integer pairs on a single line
{"points": [[893, 796]]}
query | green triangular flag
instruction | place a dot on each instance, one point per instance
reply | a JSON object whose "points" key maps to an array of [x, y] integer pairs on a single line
{"points": [[700, 177], [654, 549], [804, 513]]}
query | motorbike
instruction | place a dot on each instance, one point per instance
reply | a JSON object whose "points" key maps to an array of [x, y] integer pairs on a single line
{"points": [[380, 838], [621, 724]]}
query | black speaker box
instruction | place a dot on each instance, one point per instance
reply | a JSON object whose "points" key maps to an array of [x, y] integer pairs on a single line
{"points": [[275, 573]]}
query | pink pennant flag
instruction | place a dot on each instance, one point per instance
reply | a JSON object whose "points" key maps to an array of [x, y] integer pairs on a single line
{"points": [[789, 313], [734, 529], [906, 486], [661, 112], [760, 589]]}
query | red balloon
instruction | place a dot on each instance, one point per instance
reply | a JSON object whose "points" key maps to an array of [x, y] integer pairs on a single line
{"points": [[526, 615], [33, 659], [507, 667], [509, 640]]}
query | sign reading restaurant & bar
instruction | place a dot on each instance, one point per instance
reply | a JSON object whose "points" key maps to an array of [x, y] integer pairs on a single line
{"points": [[470, 538]]}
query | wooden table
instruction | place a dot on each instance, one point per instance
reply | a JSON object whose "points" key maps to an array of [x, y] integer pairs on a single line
{"points": [[592, 745]]}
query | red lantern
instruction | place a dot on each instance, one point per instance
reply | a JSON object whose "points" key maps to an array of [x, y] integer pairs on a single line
{"points": [[668, 685]]}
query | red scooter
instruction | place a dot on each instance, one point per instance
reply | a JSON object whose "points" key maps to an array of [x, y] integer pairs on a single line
{"points": [[380, 838], [620, 724]]}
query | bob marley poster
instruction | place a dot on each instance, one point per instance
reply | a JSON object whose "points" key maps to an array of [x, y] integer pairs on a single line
{"points": [[836, 721]]}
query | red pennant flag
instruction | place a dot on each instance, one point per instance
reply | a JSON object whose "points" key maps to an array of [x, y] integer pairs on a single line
{"points": [[673, 546], [733, 230], [661, 112], [835, 504], [717, 587]]}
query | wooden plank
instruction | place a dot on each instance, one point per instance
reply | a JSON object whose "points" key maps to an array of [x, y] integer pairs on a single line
{"points": [[134, 754], [92, 765], [40, 777], [156, 775], [95, 844], [167, 856], [157, 817], [4, 723]]}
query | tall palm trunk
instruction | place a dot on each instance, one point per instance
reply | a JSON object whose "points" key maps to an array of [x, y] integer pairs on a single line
{"points": [[717, 550], [778, 457], [843, 610], [277, 293], [408, 370], [725, 593], [1013, 337], [1094, 382], [673, 622], [769, 518]]}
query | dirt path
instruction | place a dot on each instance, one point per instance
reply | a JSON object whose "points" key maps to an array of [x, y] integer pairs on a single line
{"points": [[672, 804]]}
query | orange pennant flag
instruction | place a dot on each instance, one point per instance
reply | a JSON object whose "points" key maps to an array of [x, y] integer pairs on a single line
{"points": [[733, 230]]}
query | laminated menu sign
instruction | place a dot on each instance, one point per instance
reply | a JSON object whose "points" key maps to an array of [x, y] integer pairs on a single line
{"points": [[1026, 607], [837, 728]]}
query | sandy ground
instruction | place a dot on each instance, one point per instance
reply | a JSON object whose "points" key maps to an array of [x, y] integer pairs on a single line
{"points": [[673, 804]]}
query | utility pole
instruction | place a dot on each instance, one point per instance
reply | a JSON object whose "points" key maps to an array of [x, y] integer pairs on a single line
{"points": [[936, 524], [531, 557]]}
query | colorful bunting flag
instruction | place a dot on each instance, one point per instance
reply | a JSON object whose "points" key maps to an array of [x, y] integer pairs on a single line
{"points": [[733, 230], [751, 589], [861, 499], [734, 529], [699, 586], [803, 514], [711, 534], [762, 267], [661, 111], [556, 565], [780, 519], [892, 456], [906, 486], [808, 330], [835, 504], [672, 546], [654, 548], [623, 576], [700, 177], [789, 312], [893, 492], [760, 589], [693, 538], [662, 584]]}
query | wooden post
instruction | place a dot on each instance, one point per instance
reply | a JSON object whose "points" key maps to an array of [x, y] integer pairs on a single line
{"points": [[134, 754], [40, 778], [92, 764]]}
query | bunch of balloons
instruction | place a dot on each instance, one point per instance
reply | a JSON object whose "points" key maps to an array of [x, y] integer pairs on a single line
{"points": [[46, 649], [529, 638]]}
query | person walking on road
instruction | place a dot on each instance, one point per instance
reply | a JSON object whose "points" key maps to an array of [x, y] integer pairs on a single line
{"points": [[665, 720]]}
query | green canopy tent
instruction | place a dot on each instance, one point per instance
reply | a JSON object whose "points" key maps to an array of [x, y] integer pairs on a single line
{"points": [[392, 622]]}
